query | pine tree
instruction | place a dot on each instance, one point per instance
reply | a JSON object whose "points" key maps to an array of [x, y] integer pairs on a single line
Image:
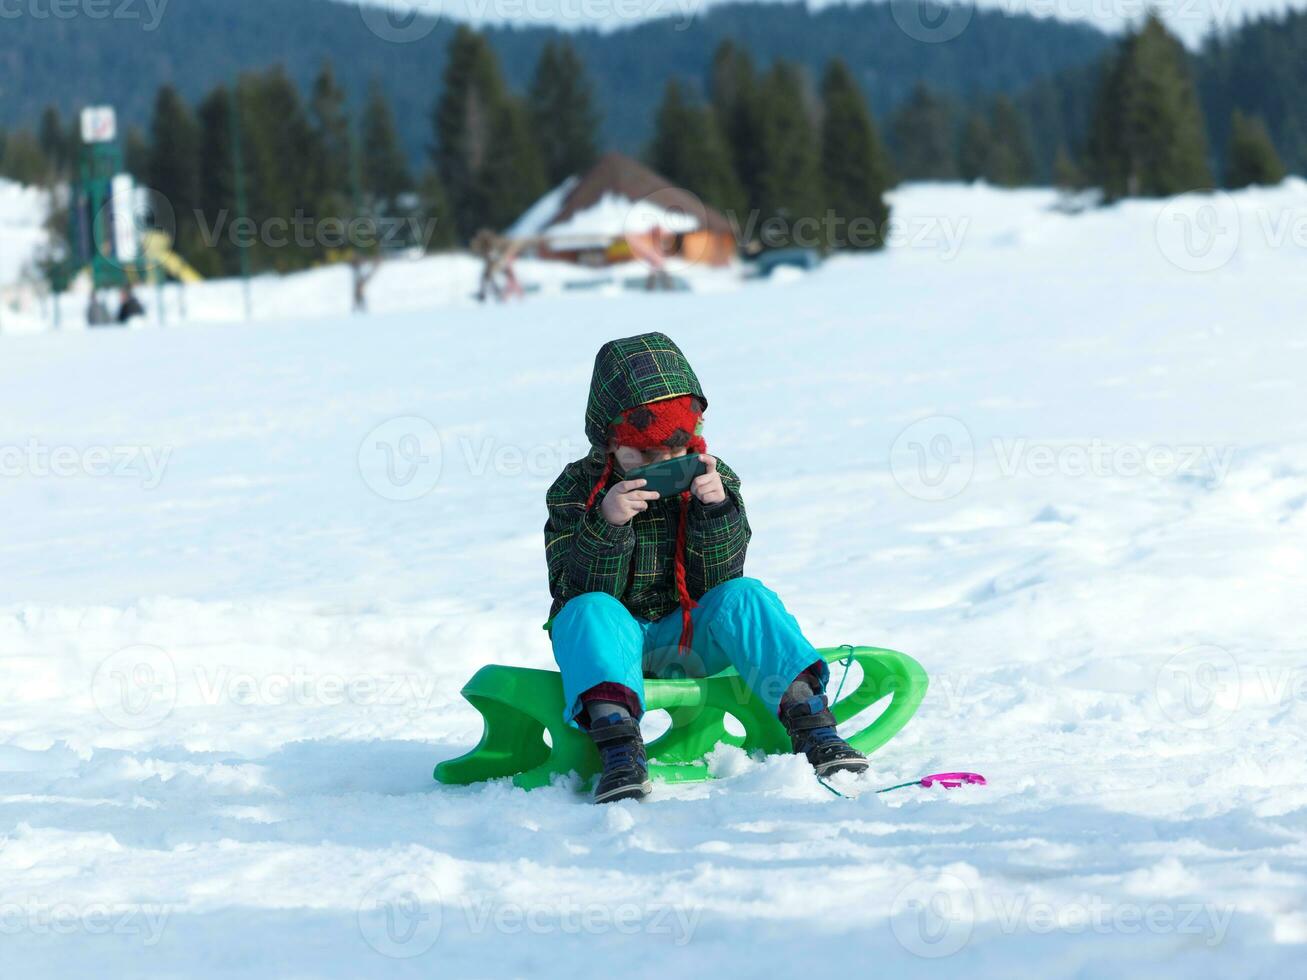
{"points": [[512, 177], [1251, 158], [738, 109], [172, 168], [58, 144], [334, 184], [433, 205], [385, 172], [687, 148], [1148, 138], [471, 106], [1067, 175], [217, 184], [563, 117], [136, 153], [1012, 160], [24, 161], [976, 149], [278, 145], [854, 167], [922, 131], [789, 185]]}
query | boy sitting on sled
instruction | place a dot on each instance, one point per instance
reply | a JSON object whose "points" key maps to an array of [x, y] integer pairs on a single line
{"points": [[645, 586]]}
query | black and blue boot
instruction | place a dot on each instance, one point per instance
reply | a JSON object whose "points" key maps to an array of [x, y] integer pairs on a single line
{"points": [[625, 774], [812, 733]]}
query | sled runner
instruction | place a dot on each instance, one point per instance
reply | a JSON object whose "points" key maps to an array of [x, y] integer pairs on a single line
{"points": [[518, 705]]}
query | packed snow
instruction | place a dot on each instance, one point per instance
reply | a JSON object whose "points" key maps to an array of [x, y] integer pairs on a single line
{"points": [[1061, 459]]}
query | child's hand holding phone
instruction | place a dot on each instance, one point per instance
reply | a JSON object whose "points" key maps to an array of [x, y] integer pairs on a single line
{"points": [[671, 477], [625, 500], [708, 487]]}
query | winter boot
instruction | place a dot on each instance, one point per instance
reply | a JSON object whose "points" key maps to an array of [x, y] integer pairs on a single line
{"points": [[812, 732], [621, 747]]}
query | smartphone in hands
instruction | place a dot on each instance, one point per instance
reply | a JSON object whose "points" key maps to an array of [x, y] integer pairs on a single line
{"points": [[669, 476]]}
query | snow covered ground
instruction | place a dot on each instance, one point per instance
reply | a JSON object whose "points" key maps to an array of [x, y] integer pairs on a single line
{"points": [[1061, 460]]}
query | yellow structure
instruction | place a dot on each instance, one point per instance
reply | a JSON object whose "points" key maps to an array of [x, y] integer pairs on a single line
{"points": [[158, 251]]}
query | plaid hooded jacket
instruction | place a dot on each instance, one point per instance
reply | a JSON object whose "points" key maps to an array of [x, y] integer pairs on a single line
{"points": [[634, 562]]}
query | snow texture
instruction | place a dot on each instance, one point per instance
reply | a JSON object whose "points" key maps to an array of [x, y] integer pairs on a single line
{"points": [[1060, 459]]}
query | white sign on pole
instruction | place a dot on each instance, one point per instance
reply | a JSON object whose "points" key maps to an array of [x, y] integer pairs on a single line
{"points": [[99, 124]]}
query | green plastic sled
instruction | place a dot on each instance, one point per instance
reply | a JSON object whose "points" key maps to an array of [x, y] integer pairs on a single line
{"points": [[519, 704]]}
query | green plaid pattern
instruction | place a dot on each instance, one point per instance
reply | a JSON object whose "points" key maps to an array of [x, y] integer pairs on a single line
{"points": [[636, 562], [634, 371]]}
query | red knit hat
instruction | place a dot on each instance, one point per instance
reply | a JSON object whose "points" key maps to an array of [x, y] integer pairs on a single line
{"points": [[670, 423]]}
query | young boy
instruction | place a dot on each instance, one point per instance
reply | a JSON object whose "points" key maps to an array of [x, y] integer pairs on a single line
{"points": [[646, 586]]}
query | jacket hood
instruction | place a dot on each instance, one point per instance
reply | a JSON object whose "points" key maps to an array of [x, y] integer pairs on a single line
{"points": [[633, 371]]}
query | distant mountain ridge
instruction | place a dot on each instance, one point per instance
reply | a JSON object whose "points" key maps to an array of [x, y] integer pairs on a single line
{"points": [[196, 44]]}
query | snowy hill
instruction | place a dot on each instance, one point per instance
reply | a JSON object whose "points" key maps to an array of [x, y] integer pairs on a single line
{"points": [[1061, 460]]}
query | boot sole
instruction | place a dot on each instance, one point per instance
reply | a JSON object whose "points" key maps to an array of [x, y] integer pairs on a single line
{"points": [[626, 793], [842, 765]]}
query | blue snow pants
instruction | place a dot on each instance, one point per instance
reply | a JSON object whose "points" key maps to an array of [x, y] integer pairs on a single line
{"points": [[740, 623]]}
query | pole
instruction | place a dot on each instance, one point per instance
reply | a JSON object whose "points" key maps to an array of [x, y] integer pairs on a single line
{"points": [[238, 165]]}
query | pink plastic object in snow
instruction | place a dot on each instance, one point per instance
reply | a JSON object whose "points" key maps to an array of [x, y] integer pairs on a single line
{"points": [[952, 780]]}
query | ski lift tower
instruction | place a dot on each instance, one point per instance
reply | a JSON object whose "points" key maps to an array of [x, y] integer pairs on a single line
{"points": [[104, 233]]}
